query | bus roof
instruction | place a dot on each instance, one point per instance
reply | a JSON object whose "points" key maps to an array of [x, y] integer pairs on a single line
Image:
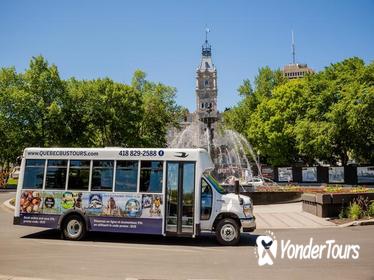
{"points": [[118, 153]]}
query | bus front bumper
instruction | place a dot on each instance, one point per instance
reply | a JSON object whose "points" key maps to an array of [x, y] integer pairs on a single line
{"points": [[248, 224]]}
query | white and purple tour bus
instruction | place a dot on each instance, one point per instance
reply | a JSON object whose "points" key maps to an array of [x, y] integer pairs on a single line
{"points": [[145, 191]]}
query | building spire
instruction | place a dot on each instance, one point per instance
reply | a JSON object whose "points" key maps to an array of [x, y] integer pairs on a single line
{"points": [[206, 48], [293, 49]]}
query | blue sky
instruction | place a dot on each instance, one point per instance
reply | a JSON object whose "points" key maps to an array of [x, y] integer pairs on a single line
{"points": [[91, 39]]}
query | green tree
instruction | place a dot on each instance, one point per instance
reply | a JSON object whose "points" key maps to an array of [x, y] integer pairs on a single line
{"points": [[267, 80], [46, 90], [38, 108], [160, 110], [243, 116], [102, 113], [30, 108], [338, 100], [271, 130], [326, 116], [245, 89]]}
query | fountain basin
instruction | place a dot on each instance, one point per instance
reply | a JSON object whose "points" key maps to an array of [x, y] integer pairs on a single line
{"points": [[267, 197], [263, 198]]}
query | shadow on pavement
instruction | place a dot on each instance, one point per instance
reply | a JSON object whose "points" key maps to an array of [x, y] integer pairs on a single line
{"points": [[206, 240]]}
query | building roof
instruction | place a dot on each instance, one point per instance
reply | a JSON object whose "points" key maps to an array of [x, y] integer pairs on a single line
{"points": [[206, 63], [295, 70], [297, 67]]}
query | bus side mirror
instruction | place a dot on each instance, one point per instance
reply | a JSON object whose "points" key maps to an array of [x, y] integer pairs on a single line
{"points": [[237, 191], [237, 188]]}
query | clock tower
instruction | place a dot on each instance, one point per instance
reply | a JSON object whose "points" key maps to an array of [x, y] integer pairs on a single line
{"points": [[206, 114], [206, 85]]}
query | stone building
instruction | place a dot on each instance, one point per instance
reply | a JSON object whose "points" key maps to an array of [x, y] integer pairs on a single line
{"points": [[206, 85], [205, 94]]}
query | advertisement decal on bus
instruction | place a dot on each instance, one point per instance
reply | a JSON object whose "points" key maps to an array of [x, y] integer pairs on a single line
{"points": [[138, 213]]}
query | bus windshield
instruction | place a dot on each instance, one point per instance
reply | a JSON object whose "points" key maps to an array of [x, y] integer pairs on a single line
{"points": [[215, 184]]}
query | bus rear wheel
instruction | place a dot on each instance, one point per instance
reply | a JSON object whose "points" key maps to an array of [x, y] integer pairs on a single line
{"points": [[228, 232], [73, 227]]}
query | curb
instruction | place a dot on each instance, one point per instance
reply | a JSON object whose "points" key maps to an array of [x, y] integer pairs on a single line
{"points": [[8, 205], [358, 223], [9, 277], [7, 190]]}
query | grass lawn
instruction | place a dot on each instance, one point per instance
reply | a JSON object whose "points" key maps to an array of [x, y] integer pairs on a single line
{"points": [[12, 181]]}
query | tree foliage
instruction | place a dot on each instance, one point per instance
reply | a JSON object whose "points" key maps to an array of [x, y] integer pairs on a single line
{"points": [[38, 108], [326, 116]]}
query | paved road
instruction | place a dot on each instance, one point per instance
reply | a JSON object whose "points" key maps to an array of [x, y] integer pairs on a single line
{"points": [[37, 253], [289, 215]]}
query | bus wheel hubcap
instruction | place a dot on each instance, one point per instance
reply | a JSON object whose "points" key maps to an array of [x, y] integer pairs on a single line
{"points": [[228, 232], [74, 228]]}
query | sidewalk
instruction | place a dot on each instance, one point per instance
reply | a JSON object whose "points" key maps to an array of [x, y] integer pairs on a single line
{"points": [[8, 277], [290, 215]]}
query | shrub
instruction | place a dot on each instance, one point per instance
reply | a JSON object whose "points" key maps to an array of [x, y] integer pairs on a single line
{"points": [[371, 209], [333, 189], [363, 202], [343, 213], [358, 189], [354, 211]]}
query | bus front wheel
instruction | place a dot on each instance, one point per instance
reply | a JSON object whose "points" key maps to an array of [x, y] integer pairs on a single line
{"points": [[73, 227], [228, 232]]}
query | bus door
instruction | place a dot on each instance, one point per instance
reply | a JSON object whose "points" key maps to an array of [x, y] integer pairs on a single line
{"points": [[180, 188]]}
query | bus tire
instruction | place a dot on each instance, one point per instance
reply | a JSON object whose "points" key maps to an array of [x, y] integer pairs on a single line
{"points": [[228, 232], [73, 227]]}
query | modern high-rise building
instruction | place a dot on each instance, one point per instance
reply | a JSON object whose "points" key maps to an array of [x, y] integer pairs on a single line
{"points": [[295, 70]]}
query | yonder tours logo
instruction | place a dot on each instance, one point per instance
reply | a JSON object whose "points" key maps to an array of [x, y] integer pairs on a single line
{"points": [[267, 250]]}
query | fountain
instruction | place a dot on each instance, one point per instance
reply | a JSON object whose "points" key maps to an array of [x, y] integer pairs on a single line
{"points": [[228, 148]]}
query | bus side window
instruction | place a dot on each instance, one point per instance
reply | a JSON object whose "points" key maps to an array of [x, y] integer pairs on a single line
{"points": [[151, 176], [102, 175], [79, 175], [56, 174], [34, 174], [126, 176], [206, 200]]}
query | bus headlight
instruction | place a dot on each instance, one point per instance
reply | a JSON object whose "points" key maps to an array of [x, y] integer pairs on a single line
{"points": [[247, 210]]}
